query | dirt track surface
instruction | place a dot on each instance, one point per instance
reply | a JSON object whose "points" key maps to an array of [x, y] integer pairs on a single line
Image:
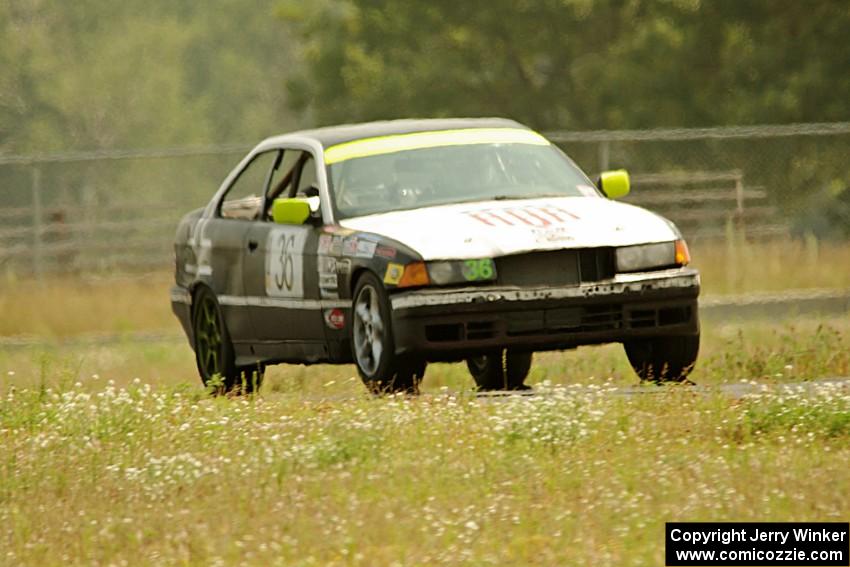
{"points": [[735, 390]]}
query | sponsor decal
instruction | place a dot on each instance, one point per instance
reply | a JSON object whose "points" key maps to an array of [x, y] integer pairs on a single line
{"points": [[325, 241], [358, 247], [366, 249], [385, 252], [394, 273], [336, 246], [335, 319], [326, 293], [343, 266], [553, 234], [327, 265], [327, 281], [536, 216], [349, 247]]}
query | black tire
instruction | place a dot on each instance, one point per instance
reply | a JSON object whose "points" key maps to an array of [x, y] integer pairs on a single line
{"points": [[373, 344], [214, 354], [663, 359], [501, 370]]}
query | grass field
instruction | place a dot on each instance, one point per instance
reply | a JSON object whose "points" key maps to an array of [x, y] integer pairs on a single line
{"points": [[165, 475], [111, 453], [115, 455]]}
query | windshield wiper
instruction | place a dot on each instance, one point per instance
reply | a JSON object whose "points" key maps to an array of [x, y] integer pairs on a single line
{"points": [[519, 197], [478, 198]]}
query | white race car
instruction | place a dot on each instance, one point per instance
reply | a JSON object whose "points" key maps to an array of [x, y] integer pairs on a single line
{"points": [[392, 244]]}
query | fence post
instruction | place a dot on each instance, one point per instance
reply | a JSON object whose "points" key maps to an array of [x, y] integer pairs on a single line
{"points": [[731, 255], [89, 199], [740, 220], [37, 226], [739, 192]]}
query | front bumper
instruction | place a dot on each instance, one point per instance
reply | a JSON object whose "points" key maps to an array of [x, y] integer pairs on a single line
{"points": [[450, 324]]}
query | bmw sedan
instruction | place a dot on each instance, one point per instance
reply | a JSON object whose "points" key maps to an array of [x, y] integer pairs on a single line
{"points": [[394, 244]]}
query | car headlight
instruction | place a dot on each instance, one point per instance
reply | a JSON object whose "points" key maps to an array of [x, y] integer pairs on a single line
{"points": [[652, 256], [461, 271]]}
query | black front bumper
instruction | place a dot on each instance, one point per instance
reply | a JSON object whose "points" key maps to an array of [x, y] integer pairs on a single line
{"points": [[450, 324]]}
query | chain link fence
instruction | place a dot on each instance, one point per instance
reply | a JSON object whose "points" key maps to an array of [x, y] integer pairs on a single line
{"points": [[103, 211], [117, 210], [759, 181]]}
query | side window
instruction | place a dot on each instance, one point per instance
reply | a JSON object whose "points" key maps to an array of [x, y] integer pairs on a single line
{"points": [[283, 177], [308, 178], [295, 175], [244, 198]]}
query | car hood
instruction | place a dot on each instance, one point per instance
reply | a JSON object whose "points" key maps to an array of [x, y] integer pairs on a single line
{"points": [[498, 228]]}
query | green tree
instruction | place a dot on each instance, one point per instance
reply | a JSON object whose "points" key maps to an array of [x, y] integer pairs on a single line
{"points": [[99, 74], [575, 63], [96, 74]]}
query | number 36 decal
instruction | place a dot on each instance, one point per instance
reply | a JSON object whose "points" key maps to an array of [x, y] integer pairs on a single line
{"points": [[285, 262], [476, 270]]}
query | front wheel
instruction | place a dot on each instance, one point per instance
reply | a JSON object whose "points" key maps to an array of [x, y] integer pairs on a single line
{"points": [[381, 370], [502, 369], [663, 359]]}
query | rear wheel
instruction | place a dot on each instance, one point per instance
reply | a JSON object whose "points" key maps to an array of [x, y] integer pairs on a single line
{"points": [[663, 359], [214, 351], [502, 369], [373, 346]]}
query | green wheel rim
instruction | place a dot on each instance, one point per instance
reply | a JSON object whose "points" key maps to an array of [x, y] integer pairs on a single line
{"points": [[208, 337]]}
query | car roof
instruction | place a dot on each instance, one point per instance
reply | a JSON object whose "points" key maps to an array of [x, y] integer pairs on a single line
{"points": [[333, 135]]}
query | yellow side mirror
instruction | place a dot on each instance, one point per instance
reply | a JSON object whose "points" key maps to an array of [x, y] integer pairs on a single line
{"points": [[290, 211], [614, 184]]}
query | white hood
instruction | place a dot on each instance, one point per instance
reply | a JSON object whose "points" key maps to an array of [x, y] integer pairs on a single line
{"points": [[497, 228]]}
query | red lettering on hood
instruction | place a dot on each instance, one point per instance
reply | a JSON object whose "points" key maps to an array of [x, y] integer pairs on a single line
{"points": [[534, 216], [487, 217], [552, 210]]}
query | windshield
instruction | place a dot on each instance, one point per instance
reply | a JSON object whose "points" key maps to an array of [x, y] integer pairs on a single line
{"points": [[453, 174]]}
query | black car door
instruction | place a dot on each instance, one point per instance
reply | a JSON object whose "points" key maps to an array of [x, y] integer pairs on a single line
{"points": [[220, 245], [280, 274]]}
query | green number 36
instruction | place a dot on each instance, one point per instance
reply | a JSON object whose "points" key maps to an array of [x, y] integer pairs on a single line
{"points": [[474, 270]]}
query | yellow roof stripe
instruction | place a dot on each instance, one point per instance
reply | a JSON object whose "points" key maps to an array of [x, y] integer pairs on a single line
{"points": [[420, 140]]}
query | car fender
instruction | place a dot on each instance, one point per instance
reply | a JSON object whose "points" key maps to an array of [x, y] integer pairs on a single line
{"points": [[348, 253]]}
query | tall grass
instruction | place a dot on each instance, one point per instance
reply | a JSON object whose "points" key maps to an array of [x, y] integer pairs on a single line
{"points": [[114, 455], [737, 266], [150, 475], [71, 305]]}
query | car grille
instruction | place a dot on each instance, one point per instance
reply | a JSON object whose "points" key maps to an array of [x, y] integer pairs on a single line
{"points": [[556, 268], [587, 319], [561, 320]]}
